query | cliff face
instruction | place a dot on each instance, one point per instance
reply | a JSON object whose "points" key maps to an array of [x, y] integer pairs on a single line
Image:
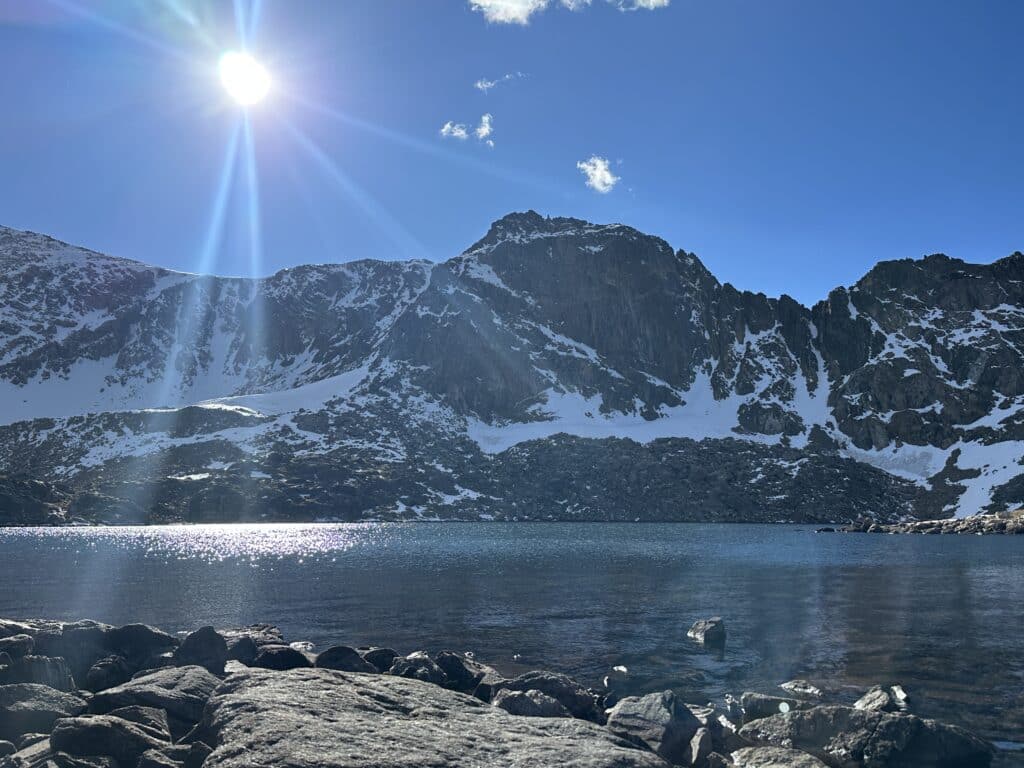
{"points": [[556, 369]]}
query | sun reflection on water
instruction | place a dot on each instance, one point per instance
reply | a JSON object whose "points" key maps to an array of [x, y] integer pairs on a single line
{"points": [[257, 543]]}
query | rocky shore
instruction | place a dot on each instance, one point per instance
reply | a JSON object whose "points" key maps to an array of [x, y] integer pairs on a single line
{"points": [[1001, 523], [89, 695]]}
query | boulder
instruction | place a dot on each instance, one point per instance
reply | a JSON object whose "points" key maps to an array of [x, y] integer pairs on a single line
{"points": [[307, 717], [244, 642], [153, 721], [33, 708], [344, 659], [758, 705], [658, 721], [580, 702], [280, 657], [845, 737], [108, 672], [103, 736], [42, 670], [381, 658], [243, 649], [139, 642], [176, 756], [81, 644], [28, 739], [773, 757], [462, 674], [17, 646], [203, 648], [7, 748], [802, 688], [418, 666], [180, 691], [529, 704], [881, 699], [708, 631]]}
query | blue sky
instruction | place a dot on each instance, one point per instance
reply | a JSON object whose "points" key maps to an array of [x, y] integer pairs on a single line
{"points": [[791, 144]]}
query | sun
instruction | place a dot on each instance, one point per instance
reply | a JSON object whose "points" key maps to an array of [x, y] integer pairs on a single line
{"points": [[245, 79]]}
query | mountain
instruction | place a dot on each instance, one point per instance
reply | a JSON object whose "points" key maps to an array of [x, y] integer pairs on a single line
{"points": [[556, 369]]}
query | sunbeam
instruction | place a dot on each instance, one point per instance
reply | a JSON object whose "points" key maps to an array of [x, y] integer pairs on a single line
{"points": [[254, 324], [409, 246], [426, 147], [131, 34]]}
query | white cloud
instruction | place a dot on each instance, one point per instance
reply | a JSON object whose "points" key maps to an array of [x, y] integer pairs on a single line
{"points": [[486, 127], [455, 130], [520, 11], [483, 84], [460, 131], [599, 174]]}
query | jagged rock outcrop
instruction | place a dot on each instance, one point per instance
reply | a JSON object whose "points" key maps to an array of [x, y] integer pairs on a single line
{"points": [[552, 348]]}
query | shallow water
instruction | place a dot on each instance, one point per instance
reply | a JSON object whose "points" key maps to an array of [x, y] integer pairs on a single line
{"points": [[942, 615]]}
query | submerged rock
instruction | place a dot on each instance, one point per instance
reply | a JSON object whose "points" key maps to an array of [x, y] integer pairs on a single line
{"points": [[708, 631], [320, 717], [845, 737]]}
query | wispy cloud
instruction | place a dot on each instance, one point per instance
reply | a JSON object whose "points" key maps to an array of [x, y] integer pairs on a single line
{"points": [[520, 11], [483, 84], [460, 131], [455, 131], [599, 174]]}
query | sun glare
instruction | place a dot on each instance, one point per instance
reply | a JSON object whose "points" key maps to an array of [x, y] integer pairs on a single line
{"points": [[245, 79]]}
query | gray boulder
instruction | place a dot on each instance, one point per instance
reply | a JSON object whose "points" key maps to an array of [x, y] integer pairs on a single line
{"points": [[17, 646], [580, 702], [42, 670], [462, 674], [773, 757], [331, 719], [153, 721], [203, 648], [180, 691], [108, 672], [529, 704], [845, 737], [802, 688], [418, 666], [879, 699], [658, 721], [176, 756], [280, 657], [344, 659], [33, 708], [103, 736], [708, 631], [139, 642], [7, 748], [381, 658]]}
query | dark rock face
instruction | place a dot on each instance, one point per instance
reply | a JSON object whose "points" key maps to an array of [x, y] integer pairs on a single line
{"points": [[204, 648], [103, 736], [139, 643], [418, 666], [766, 410], [461, 674], [31, 708], [17, 646], [44, 670], [381, 658], [281, 657], [108, 672], [278, 718], [344, 659], [758, 705], [844, 737]]}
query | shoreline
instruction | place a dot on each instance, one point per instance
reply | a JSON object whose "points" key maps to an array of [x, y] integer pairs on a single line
{"points": [[137, 697]]}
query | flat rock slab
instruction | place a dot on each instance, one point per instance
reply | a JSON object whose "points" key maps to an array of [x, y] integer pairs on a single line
{"points": [[313, 717], [774, 757], [29, 707], [180, 691]]}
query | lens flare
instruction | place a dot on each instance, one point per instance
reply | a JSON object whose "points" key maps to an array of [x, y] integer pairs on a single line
{"points": [[245, 79]]}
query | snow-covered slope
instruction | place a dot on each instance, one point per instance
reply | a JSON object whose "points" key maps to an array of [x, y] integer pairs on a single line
{"points": [[552, 347]]}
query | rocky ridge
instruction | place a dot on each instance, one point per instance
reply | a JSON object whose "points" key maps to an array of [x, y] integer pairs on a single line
{"points": [[243, 697], [552, 348]]}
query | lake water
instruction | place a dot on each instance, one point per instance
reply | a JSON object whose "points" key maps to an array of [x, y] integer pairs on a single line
{"points": [[942, 615]]}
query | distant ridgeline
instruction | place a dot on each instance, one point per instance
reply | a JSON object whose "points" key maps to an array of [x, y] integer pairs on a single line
{"points": [[555, 370]]}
